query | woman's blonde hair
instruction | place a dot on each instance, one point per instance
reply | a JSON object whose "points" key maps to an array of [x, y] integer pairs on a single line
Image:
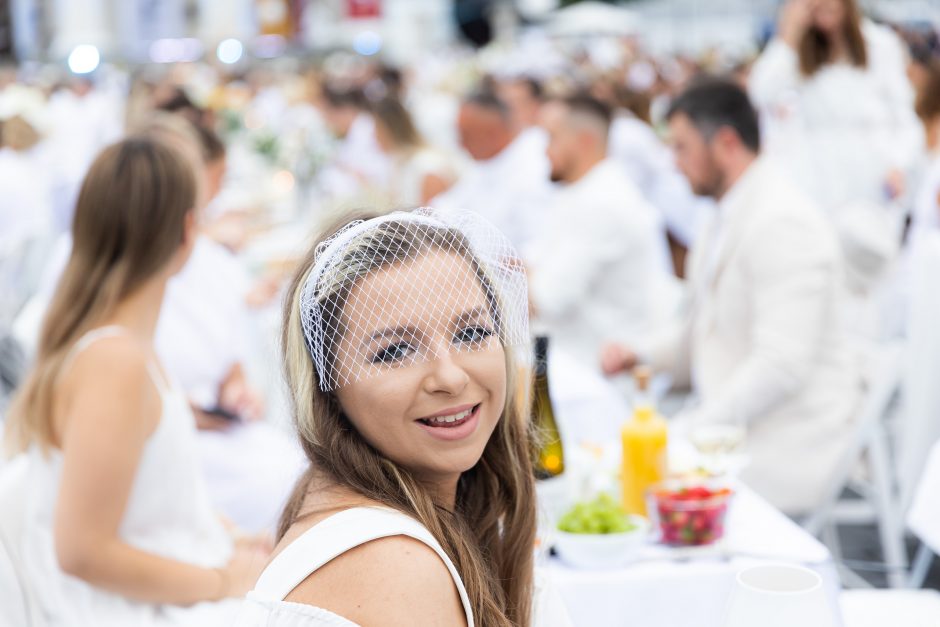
{"points": [[393, 115], [815, 47], [129, 222], [490, 534]]}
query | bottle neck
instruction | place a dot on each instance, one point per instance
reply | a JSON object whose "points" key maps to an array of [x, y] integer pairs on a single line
{"points": [[643, 406], [540, 366], [643, 412]]}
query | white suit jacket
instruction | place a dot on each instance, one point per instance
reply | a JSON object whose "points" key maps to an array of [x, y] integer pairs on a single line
{"points": [[764, 340]]}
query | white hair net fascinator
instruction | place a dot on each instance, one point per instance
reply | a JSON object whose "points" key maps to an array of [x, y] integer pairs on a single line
{"points": [[407, 288]]}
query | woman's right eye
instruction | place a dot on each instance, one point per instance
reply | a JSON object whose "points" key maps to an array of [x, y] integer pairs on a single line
{"points": [[392, 353]]}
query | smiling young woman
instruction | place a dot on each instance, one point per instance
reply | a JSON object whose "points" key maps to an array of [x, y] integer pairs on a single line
{"points": [[418, 507]]}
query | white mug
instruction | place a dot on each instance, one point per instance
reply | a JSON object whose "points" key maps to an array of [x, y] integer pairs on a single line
{"points": [[779, 595]]}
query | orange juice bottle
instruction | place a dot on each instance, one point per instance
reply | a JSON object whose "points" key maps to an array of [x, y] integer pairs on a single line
{"points": [[644, 447]]}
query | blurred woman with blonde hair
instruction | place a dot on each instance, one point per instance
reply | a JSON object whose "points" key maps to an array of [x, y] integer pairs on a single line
{"points": [[421, 171], [838, 112], [119, 527]]}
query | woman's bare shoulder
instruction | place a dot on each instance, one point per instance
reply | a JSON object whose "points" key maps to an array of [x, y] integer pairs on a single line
{"points": [[106, 382], [391, 581]]}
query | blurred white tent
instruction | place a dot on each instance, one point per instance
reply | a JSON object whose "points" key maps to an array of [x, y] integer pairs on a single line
{"points": [[593, 18]]}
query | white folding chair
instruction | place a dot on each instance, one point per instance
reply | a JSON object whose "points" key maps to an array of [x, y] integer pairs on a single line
{"points": [[879, 493], [923, 517], [918, 424], [913, 607]]}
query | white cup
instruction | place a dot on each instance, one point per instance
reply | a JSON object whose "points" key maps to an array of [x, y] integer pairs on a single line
{"points": [[779, 595]]}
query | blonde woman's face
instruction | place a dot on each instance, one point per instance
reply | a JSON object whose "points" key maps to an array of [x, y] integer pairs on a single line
{"points": [[427, 369]]}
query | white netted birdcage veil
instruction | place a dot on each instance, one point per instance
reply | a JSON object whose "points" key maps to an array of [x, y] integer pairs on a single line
{"points": [[402, 288]]}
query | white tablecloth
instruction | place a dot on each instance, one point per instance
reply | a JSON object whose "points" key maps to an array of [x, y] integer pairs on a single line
{"points": [[664, 589]]}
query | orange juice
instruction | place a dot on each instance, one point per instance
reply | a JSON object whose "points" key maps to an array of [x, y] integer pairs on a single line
{"points": [[644, 440]]}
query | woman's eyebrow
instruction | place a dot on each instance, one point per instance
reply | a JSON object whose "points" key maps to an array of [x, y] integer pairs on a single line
{"points": [[480, 311], [403, 331]]}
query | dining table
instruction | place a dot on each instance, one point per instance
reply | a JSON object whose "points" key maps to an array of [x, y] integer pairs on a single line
{"points": [[657, 585]]}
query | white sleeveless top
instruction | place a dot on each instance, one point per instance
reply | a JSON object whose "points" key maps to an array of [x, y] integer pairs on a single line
{"points": [[167, 514], [265, 605]]}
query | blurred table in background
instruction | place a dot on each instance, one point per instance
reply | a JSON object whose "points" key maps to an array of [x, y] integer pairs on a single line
{"points": [[662, 586], [669, 587]]}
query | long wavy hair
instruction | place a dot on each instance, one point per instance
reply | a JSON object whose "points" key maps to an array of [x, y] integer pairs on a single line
{"points": [[129, 221], [490, 533], [815, 48]]}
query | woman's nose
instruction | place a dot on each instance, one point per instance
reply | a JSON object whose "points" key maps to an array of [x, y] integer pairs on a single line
{"points": [[445, 374]]}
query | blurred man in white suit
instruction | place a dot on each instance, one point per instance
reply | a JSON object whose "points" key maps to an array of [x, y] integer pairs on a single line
{"points": [[763, 343]]}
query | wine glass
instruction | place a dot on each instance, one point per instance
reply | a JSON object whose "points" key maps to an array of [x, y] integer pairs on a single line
{"points": [[720, 444], [719, 441]]}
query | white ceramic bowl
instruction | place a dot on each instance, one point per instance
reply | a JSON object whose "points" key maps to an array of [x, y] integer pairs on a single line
{"points": [[602, 550]]}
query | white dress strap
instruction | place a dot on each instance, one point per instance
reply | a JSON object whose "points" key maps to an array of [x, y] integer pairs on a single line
{"points": [[113, 330], [90, 338], [337, 534]]}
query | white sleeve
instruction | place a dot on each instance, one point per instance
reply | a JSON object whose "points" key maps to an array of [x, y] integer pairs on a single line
{"points": [[669, 351], [775, 74], [888, 61]]}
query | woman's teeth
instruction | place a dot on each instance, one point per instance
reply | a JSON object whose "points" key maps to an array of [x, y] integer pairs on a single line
{"points": [[443, 420]]}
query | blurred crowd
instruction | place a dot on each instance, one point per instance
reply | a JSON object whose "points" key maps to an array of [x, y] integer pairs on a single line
{"points": [[746, 225]]}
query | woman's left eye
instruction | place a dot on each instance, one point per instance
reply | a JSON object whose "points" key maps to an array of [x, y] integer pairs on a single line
{"points": [[474, 334], [393, 353]]}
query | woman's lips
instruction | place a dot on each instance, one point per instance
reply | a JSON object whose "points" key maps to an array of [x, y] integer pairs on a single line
{"points": [[449, 428]]}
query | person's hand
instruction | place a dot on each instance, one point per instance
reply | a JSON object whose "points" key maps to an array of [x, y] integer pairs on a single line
{"points": [[895, 184], [795, 19], [243, 569], [616, 358], [262, 541], [237, 396]]}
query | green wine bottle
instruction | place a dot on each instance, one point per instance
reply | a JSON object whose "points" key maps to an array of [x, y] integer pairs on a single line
{"points": [[550, 457]]}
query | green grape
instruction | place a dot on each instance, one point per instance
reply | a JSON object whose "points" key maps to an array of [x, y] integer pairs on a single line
{"points": [[602, 515]]}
